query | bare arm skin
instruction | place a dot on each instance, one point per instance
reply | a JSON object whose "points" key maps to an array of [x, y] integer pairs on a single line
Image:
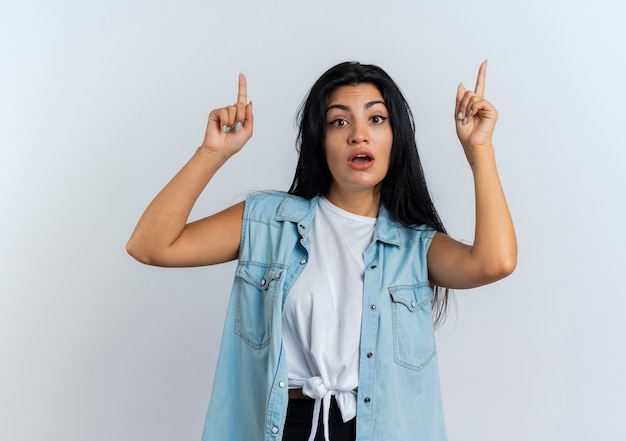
{"points": [[493, 255], [163, 237]]}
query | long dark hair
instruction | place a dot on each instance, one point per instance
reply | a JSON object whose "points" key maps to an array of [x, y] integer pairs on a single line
{"points": [[403, 191]]}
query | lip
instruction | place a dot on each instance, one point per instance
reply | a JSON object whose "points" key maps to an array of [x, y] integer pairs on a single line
{"points": [[361, 165]]}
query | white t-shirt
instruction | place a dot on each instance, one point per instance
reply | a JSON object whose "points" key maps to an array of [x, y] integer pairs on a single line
{"points": [[322, 316]]}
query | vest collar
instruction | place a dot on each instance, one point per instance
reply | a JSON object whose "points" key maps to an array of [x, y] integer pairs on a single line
{"points": [[302, 211]]}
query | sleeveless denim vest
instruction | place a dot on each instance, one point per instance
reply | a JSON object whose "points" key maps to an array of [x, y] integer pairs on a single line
{"points": [[398, 396]]}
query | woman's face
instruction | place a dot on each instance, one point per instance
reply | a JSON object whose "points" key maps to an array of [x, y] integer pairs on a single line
{"points": [[358, 138]]}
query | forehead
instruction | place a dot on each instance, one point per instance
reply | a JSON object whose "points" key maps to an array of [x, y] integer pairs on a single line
{"points": [[362, 92]]}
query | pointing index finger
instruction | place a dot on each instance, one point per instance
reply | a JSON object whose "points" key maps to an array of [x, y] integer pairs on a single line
{"points": [[242, 96], [480, 81]]}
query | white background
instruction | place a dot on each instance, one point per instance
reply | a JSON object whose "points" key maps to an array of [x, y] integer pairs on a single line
{"points": [[102, 102]]}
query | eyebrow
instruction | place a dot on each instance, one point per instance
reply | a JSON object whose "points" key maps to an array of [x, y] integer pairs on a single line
{"points": [[347, 109]]}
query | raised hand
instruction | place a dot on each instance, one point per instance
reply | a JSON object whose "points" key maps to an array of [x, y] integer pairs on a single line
{"points": [[229, 128], [475, 116]]}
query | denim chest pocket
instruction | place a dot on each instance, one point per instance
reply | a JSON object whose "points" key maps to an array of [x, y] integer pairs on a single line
{"points": [[257, 284], [413, 333]]}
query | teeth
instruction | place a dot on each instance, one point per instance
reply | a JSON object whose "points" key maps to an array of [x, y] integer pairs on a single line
{"points": [[361, 156]]}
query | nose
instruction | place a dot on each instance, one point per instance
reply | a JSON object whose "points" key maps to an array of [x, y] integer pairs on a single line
{"points": [[358, 134]]}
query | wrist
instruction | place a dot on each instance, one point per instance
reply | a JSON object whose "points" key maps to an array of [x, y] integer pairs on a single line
{"points": [[215, 156], [481, 155]]}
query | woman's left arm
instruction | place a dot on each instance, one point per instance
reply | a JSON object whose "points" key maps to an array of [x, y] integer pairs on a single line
{"points": [[493, 255]]}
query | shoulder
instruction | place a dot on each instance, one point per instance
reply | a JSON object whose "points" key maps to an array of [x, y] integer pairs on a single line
{"points": [[404, 235], [419, 235], [420, 230], [273, 205], [261, 198]]}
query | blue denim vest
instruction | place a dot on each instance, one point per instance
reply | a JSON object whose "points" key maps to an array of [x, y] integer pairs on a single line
{"points": [[398, 395]]}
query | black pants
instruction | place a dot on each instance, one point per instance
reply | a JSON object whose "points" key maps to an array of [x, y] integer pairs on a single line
{"points": [[298, 423]]}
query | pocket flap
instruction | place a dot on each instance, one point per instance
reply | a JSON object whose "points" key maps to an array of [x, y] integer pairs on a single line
{"points": [[259, 275], [413, 297]]}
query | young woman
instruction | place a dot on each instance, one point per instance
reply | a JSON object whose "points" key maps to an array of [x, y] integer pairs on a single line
{"points": [[329, 332]]}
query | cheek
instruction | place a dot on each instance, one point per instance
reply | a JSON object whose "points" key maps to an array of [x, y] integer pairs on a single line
{"points": [[388, 146], [330, 151], [384, 137]]}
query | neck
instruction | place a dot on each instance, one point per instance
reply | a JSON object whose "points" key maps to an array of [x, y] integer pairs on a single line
{"points": [[365, 203]]}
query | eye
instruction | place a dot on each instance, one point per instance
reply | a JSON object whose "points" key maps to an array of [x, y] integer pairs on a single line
{"points": [[378, 119], [339, 122]]}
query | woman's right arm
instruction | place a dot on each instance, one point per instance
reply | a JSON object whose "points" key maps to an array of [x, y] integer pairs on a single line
{"points": [[162, 236]]}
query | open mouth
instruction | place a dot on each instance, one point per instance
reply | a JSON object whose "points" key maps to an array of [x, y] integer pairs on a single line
{"points": [[362, 157]]}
